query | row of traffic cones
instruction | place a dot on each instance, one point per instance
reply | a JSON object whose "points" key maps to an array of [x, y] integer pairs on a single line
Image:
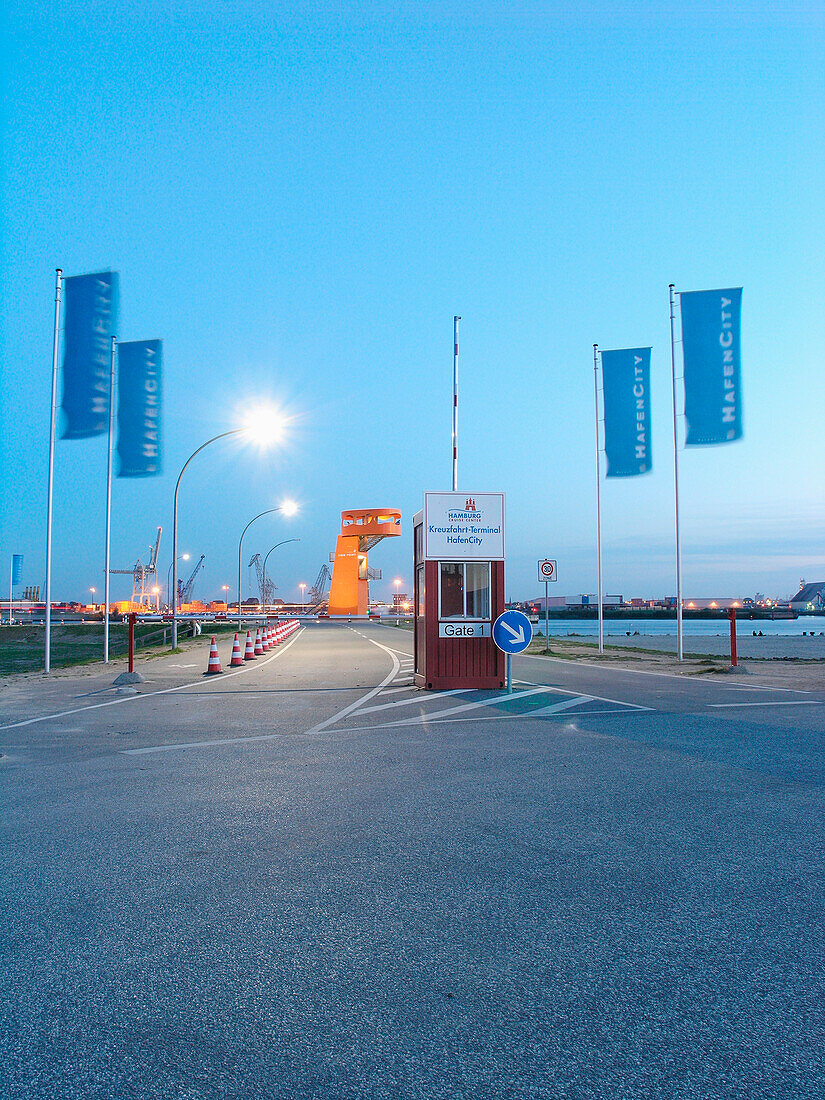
{"points": [[265, 639]]}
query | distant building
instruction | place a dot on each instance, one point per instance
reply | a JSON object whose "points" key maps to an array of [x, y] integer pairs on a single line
{"points": [[810, 597], [711, 603]]}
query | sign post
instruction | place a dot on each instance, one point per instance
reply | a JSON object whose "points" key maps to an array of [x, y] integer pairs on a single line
{"points": [[547, 573], [512, 633]]}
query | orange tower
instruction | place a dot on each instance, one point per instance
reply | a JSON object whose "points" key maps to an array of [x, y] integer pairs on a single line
{"points": [[349, 593]]}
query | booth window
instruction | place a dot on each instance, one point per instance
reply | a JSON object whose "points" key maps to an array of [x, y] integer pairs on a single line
{"points": [[464, 590]]}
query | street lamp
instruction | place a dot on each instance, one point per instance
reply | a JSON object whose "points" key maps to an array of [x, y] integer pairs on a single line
{"points": [[266, 559], [225, 588], [397, 582], [302, 586], [288, 508], [266, 426], [183, 557]]}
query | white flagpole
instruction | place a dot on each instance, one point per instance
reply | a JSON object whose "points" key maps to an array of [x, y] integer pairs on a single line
{"points": [[598, 499], [679, 636], [109, 504], [455, 403], [48, 643]]}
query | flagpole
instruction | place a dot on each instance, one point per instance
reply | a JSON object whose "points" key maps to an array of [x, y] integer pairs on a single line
{"points": [[598, 499], [109, 503], [679, 636], [48, 642], [455, 403]]}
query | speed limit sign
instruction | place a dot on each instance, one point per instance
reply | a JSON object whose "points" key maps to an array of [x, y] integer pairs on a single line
{"points": [[547, 570]]}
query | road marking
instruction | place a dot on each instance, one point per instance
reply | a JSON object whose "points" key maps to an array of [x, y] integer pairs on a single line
{"points": [[149, 694], [426, 721], [147, 750], [599, 698], [670, 675], [499, 698], [390, 691], [775, 703], [414, 699]]}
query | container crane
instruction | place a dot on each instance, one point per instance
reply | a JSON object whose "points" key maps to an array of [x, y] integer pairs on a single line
{"points": [[315, 595], [265, 588], [144, 577], [185, 590]]}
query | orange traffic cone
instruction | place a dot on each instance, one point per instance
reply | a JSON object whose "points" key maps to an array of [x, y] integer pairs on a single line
{"points": [[265, 642], [237, 656], [249, 652], [214, 660], [259, 649]]}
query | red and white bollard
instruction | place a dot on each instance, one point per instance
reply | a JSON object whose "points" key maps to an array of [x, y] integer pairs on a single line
{"points": [[249, 652], [237, 656]]}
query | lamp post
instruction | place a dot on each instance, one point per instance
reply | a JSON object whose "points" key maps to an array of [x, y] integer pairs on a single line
{"points": [[289, 509], [302, 586], [397, 582], [266, 559], [183, 557], [267, 425], [214, 439], [225, 588]]}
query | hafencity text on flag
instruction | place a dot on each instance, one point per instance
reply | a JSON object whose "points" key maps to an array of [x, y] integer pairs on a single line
{"points": [[16, 568], [712, 365], [139, 408], [91, 321], [626, 385]]}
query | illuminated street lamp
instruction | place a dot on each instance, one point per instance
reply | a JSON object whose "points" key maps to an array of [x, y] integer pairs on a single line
{"points": [[288, 508], [266, 426], [183, 557], [397, 582], [225, 588], [302, 586], [156, 594]]}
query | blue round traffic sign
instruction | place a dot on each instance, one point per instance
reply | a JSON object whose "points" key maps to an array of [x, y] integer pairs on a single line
{"points": [[512, 631]]}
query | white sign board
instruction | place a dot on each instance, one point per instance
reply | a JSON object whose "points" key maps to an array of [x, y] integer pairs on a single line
{"points": [[547, 570], [464, 526], [464, 630]]}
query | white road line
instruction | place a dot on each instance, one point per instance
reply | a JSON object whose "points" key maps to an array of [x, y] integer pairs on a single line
{"points": [[565, 704], [500, 698], [391, 690], [425, 721], [147, 750], [775, 703], [598, 698], [414, 699], [668, 675], [162, 691]]}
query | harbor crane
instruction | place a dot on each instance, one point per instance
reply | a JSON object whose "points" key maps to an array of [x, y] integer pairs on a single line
{"points": [[144, 577], [185, 590], [315, 595], [266, 588]]}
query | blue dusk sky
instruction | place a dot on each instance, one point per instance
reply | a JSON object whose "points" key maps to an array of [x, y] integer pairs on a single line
{"points": [[298, 199]]}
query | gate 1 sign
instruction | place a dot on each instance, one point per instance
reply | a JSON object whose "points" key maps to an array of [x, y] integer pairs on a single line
{"points": [[464, 526]]}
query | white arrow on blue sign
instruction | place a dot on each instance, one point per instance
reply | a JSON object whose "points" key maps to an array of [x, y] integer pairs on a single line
{"points": [[512, 632]]}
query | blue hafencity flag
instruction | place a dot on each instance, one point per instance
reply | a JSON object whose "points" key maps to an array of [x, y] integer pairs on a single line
{"points": [[711, 349], [91, 320], [16, 568], [139, 408], [626, 384]]}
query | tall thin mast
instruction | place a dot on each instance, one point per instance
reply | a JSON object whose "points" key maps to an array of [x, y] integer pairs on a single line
{"points": [[47, 664], [598, 499], [455, 403], [679, 638]]}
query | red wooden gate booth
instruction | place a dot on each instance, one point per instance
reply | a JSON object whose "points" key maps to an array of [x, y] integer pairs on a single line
{"points": [[458, 551]]}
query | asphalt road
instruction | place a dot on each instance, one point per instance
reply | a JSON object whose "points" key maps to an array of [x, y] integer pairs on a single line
{"points": [[306, 879]]}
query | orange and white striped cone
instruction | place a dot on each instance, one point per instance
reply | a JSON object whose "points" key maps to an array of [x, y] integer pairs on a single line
{"points": [[266, 641], [249, 652], [214, 660], [259, 649], [237, 656]]}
